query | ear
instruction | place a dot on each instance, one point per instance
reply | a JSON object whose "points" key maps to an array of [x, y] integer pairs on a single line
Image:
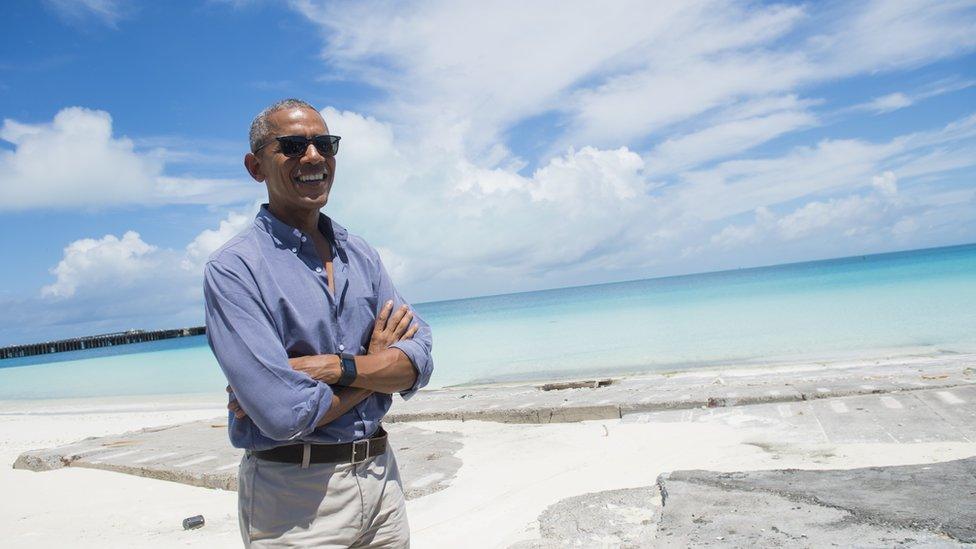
{"points": [[253, 165]]}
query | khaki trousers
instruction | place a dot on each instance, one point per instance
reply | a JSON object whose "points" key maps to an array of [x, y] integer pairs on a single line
{"points": [[325, 505]]}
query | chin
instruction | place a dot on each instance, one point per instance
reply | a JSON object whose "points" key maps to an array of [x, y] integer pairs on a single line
{"points": [[318, 200]]}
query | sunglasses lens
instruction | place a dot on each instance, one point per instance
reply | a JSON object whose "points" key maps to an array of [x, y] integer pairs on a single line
{"points": [[328, 145], [295, 145], [292, 145]]}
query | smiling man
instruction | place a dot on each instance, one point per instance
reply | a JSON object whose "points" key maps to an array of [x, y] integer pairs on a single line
{"points": [[314, 339]]}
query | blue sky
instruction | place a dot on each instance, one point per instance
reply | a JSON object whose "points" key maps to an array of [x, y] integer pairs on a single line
{"points": [[485, 150]]}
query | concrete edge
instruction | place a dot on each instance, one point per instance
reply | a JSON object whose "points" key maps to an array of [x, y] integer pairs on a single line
{"points": [[573, 414], [218, 481]]}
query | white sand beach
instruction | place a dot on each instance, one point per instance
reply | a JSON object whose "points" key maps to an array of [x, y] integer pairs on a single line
{"points": [[510, 473]]}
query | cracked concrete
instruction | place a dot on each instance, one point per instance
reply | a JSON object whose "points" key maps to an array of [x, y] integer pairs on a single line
{"points": [[930, 505], [936, 499]]}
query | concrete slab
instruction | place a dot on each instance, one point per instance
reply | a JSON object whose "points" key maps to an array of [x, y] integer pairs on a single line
{"points": [[615, 518], [792, 426], [962, 415], [704, 516], [905, 418], [597, 398], [906, 506], [198, 454], [911, 505], [847, 421]]}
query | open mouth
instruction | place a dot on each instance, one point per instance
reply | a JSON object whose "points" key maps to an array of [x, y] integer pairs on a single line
{"points": [[310, 179]]}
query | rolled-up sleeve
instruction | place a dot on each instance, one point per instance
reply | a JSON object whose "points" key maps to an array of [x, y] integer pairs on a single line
{"points": [[419, 347], [282, 403]]}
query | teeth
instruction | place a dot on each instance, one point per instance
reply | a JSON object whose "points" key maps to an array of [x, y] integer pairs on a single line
{"points": [[312, 177]]}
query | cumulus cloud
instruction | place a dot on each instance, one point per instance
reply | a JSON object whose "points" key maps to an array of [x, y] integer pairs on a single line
{"points": [[876, 212], [108, 261], [121, 282], [76, 161], [591, 211], [207, 242], [447, 216]]}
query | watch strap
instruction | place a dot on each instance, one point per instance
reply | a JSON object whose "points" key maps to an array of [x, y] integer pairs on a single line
{"points": [[348, 364]]}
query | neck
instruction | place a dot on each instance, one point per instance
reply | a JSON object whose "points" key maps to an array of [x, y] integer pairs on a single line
{"points": [[304, 220]]}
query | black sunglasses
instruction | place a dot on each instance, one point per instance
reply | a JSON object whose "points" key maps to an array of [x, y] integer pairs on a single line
{"points": [[295, 145]]}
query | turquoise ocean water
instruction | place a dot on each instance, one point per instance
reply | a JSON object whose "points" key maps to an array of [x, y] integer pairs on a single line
{"points": [[905, 302]]}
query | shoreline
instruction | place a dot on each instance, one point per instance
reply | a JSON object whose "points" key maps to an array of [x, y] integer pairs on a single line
{"points": [[739, 368]]}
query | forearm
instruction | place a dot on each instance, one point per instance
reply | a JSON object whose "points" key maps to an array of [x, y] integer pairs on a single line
{"points": [[343, 400], [388, 371]]}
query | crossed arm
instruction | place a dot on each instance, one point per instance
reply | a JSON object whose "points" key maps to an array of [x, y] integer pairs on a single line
{"points": [[382, 369]]}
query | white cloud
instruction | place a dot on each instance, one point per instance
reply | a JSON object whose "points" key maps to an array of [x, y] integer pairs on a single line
{"points": [[76, 161], [112, 283], [208, 241], [890, 102], [447, 216], [736, 131], [899, 100], [852, 212], [617, 74], [109, 262], [886, 183], [878, 214]]}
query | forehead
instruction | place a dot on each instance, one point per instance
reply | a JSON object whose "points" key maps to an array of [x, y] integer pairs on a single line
{"points": [[297, 121]]}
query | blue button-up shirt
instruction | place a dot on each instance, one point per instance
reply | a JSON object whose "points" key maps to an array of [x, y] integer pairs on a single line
{"points": [[268, 300]]}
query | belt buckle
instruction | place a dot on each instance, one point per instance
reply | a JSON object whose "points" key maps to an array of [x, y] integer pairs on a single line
{"points": [[356, 445]]}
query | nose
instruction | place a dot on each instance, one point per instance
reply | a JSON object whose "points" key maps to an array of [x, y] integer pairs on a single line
{"points": [[312, 155]]}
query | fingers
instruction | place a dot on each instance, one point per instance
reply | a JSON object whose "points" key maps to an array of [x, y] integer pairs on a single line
{"points": [[380, 324], [229, 390], [401, 327], [397, 318], [237, 410], [411, 332]]}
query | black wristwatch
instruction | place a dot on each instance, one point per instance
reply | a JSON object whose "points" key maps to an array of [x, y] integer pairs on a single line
{"points": [[348, 364]]}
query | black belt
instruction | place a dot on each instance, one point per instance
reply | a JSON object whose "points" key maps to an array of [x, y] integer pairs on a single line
{"points": [[349, 452]]}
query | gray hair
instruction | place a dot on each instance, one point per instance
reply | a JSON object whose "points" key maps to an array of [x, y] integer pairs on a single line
{"points": [[261, 127]]}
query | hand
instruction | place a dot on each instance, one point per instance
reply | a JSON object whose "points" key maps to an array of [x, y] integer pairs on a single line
{"points": [[234, 407], [325, 368], [388, 330]]}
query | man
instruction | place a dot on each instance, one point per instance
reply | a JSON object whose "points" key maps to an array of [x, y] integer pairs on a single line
{"points": [[314, 339]]}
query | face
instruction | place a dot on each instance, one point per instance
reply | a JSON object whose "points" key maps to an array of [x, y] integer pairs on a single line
{"points": [[294, 184]]}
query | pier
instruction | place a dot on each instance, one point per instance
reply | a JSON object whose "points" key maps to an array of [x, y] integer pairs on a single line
{"points": [[96, 341]]}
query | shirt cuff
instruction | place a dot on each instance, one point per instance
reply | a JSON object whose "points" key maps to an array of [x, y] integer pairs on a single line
{"points": [[315, 409], [420, 360]]}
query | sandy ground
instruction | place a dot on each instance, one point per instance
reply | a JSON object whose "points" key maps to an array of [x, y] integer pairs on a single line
{"points": [[510, 474]]}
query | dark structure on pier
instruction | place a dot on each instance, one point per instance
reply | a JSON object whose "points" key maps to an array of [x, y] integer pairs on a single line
{"points": [[92, 342]]}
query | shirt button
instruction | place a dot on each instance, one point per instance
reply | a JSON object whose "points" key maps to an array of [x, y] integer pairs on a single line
{"points": [[342, 347], [295, 250], [303, 239], [318, 269]]}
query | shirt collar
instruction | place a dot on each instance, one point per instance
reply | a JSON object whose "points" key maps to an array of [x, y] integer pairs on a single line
{"points": [[286, 236]]}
